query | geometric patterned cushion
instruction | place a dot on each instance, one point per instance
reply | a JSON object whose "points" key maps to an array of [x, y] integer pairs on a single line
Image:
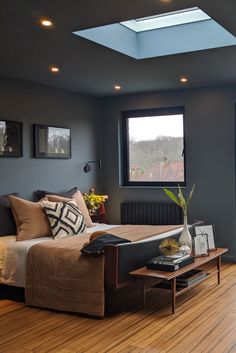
{"points": [[78, 198], [65, 218]]}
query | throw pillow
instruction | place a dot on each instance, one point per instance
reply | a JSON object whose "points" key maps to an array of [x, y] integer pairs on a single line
{"points": [[7, 222], [78, 198], [39, 194], [65, 218], [31, 220]]}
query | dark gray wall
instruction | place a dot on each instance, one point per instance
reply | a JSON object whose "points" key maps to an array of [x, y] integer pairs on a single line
{"points": [[210, 142], [210, 152], [33, 103]]}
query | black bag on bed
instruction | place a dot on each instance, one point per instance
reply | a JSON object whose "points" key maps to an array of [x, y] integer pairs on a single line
{"points": [[97, 246]]}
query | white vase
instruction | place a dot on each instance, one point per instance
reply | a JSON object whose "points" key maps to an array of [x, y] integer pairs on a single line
{"points": [[185, 237]]}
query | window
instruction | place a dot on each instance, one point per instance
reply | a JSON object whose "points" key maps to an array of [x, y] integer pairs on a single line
{"points": [[152, 146], [167, 19]]}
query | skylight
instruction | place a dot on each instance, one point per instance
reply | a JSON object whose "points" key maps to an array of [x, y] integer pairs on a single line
{"points": [[168, 19], [171, 33]]}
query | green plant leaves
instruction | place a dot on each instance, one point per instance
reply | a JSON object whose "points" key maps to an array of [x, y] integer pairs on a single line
{"points": [[190, 194], [172, 196], [180, 199]]}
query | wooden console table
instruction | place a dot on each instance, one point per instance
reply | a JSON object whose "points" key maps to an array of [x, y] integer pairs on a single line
{"points": [[143, 273]]}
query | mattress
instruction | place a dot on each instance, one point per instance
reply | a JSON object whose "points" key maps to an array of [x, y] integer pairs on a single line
{"points": [[13, 256]]}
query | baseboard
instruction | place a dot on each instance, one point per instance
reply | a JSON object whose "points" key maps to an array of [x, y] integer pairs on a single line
{"points": [[229, 258], [12, 293]]}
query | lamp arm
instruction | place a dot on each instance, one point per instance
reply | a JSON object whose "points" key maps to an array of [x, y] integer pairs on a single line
{"points": [[87, 166]]}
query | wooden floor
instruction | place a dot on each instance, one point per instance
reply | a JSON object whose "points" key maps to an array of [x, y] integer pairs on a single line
{"points": [[205, 321]]}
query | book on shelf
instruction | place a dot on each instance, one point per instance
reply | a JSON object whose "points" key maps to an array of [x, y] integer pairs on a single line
{"points": [[172, 259], [190, 275], [185, 280], [176, 257], [157, 264], [191, 281]]}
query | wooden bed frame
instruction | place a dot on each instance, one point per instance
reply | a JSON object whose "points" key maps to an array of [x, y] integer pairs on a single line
{"points": [[123, 258]]}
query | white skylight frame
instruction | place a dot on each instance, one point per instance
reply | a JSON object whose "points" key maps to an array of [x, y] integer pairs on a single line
{"points": [[168, 19]]}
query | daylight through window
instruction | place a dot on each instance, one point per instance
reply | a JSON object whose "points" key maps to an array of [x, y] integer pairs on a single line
{"points": [[153, 147]]}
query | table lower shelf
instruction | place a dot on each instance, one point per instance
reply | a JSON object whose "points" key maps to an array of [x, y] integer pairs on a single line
{"points": [[181, 289]]}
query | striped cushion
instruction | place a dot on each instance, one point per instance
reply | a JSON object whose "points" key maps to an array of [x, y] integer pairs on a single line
{"points": [[65, 218]]}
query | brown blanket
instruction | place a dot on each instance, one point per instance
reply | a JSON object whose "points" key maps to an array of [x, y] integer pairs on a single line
{"points": [[59, 277]]}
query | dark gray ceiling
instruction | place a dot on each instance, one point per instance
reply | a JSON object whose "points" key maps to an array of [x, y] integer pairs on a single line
{"points": [[27, 50]]}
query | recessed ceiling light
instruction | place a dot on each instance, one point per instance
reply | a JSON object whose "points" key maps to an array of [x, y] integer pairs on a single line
{"points": [[117, 87], [46, 23], [54, 69], [183, 79]]}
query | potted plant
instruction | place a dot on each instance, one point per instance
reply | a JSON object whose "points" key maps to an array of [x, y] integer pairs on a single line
{"points": [[181, 201]]}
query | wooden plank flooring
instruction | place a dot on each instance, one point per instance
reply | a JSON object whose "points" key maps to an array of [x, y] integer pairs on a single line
{"points": [[204, 322]]}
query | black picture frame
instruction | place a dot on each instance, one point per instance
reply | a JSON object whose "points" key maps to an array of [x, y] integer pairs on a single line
{"points": [[10, 139], [52, 142]]}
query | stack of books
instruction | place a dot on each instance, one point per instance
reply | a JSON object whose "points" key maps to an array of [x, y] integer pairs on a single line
{"points": [[190, 277], [185, 280], [169, 262]]}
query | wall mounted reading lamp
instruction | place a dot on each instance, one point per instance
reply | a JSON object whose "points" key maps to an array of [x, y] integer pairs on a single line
{"points": [[87, 166]]}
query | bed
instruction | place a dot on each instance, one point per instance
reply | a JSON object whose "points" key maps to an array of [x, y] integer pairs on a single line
{"points": [[92, 281], [13, 256], [49, 266]]}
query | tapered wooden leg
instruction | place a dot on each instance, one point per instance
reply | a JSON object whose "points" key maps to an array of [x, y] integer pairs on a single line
{"points": [[173, 292], [143, 288], [218, 268]]}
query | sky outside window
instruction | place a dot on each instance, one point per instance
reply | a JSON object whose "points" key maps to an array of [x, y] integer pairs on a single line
{"points": [[149, 128]]}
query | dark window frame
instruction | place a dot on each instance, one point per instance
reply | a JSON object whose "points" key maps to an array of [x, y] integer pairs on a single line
{"points": [[124, 145]]}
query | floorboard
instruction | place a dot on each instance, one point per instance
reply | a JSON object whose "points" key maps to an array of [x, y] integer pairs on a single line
{"points": [[204, 322]]}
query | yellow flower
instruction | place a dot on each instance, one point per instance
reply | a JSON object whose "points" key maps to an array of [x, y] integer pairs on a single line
{"points": [[94, 201]]}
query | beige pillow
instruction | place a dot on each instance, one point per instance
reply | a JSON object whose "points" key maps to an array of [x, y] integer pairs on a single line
{"points": [[78, 198], [31, 220]]}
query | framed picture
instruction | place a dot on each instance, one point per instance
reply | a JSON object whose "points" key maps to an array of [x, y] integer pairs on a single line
{"points": [[52, 142], [200, 245], [207, 229], [10, 139]]}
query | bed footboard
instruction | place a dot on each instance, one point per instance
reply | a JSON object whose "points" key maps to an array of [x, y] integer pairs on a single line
{"points": [[123, 258]]}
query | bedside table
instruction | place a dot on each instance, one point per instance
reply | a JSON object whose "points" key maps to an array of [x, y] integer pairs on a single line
{"points": [[100, 218], [142, 273]]}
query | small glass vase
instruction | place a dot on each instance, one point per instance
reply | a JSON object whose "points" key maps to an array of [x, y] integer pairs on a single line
{"points": [[185, 237]]}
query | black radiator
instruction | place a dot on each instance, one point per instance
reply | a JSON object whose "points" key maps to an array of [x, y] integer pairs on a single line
{"points": [[151, 213]]}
